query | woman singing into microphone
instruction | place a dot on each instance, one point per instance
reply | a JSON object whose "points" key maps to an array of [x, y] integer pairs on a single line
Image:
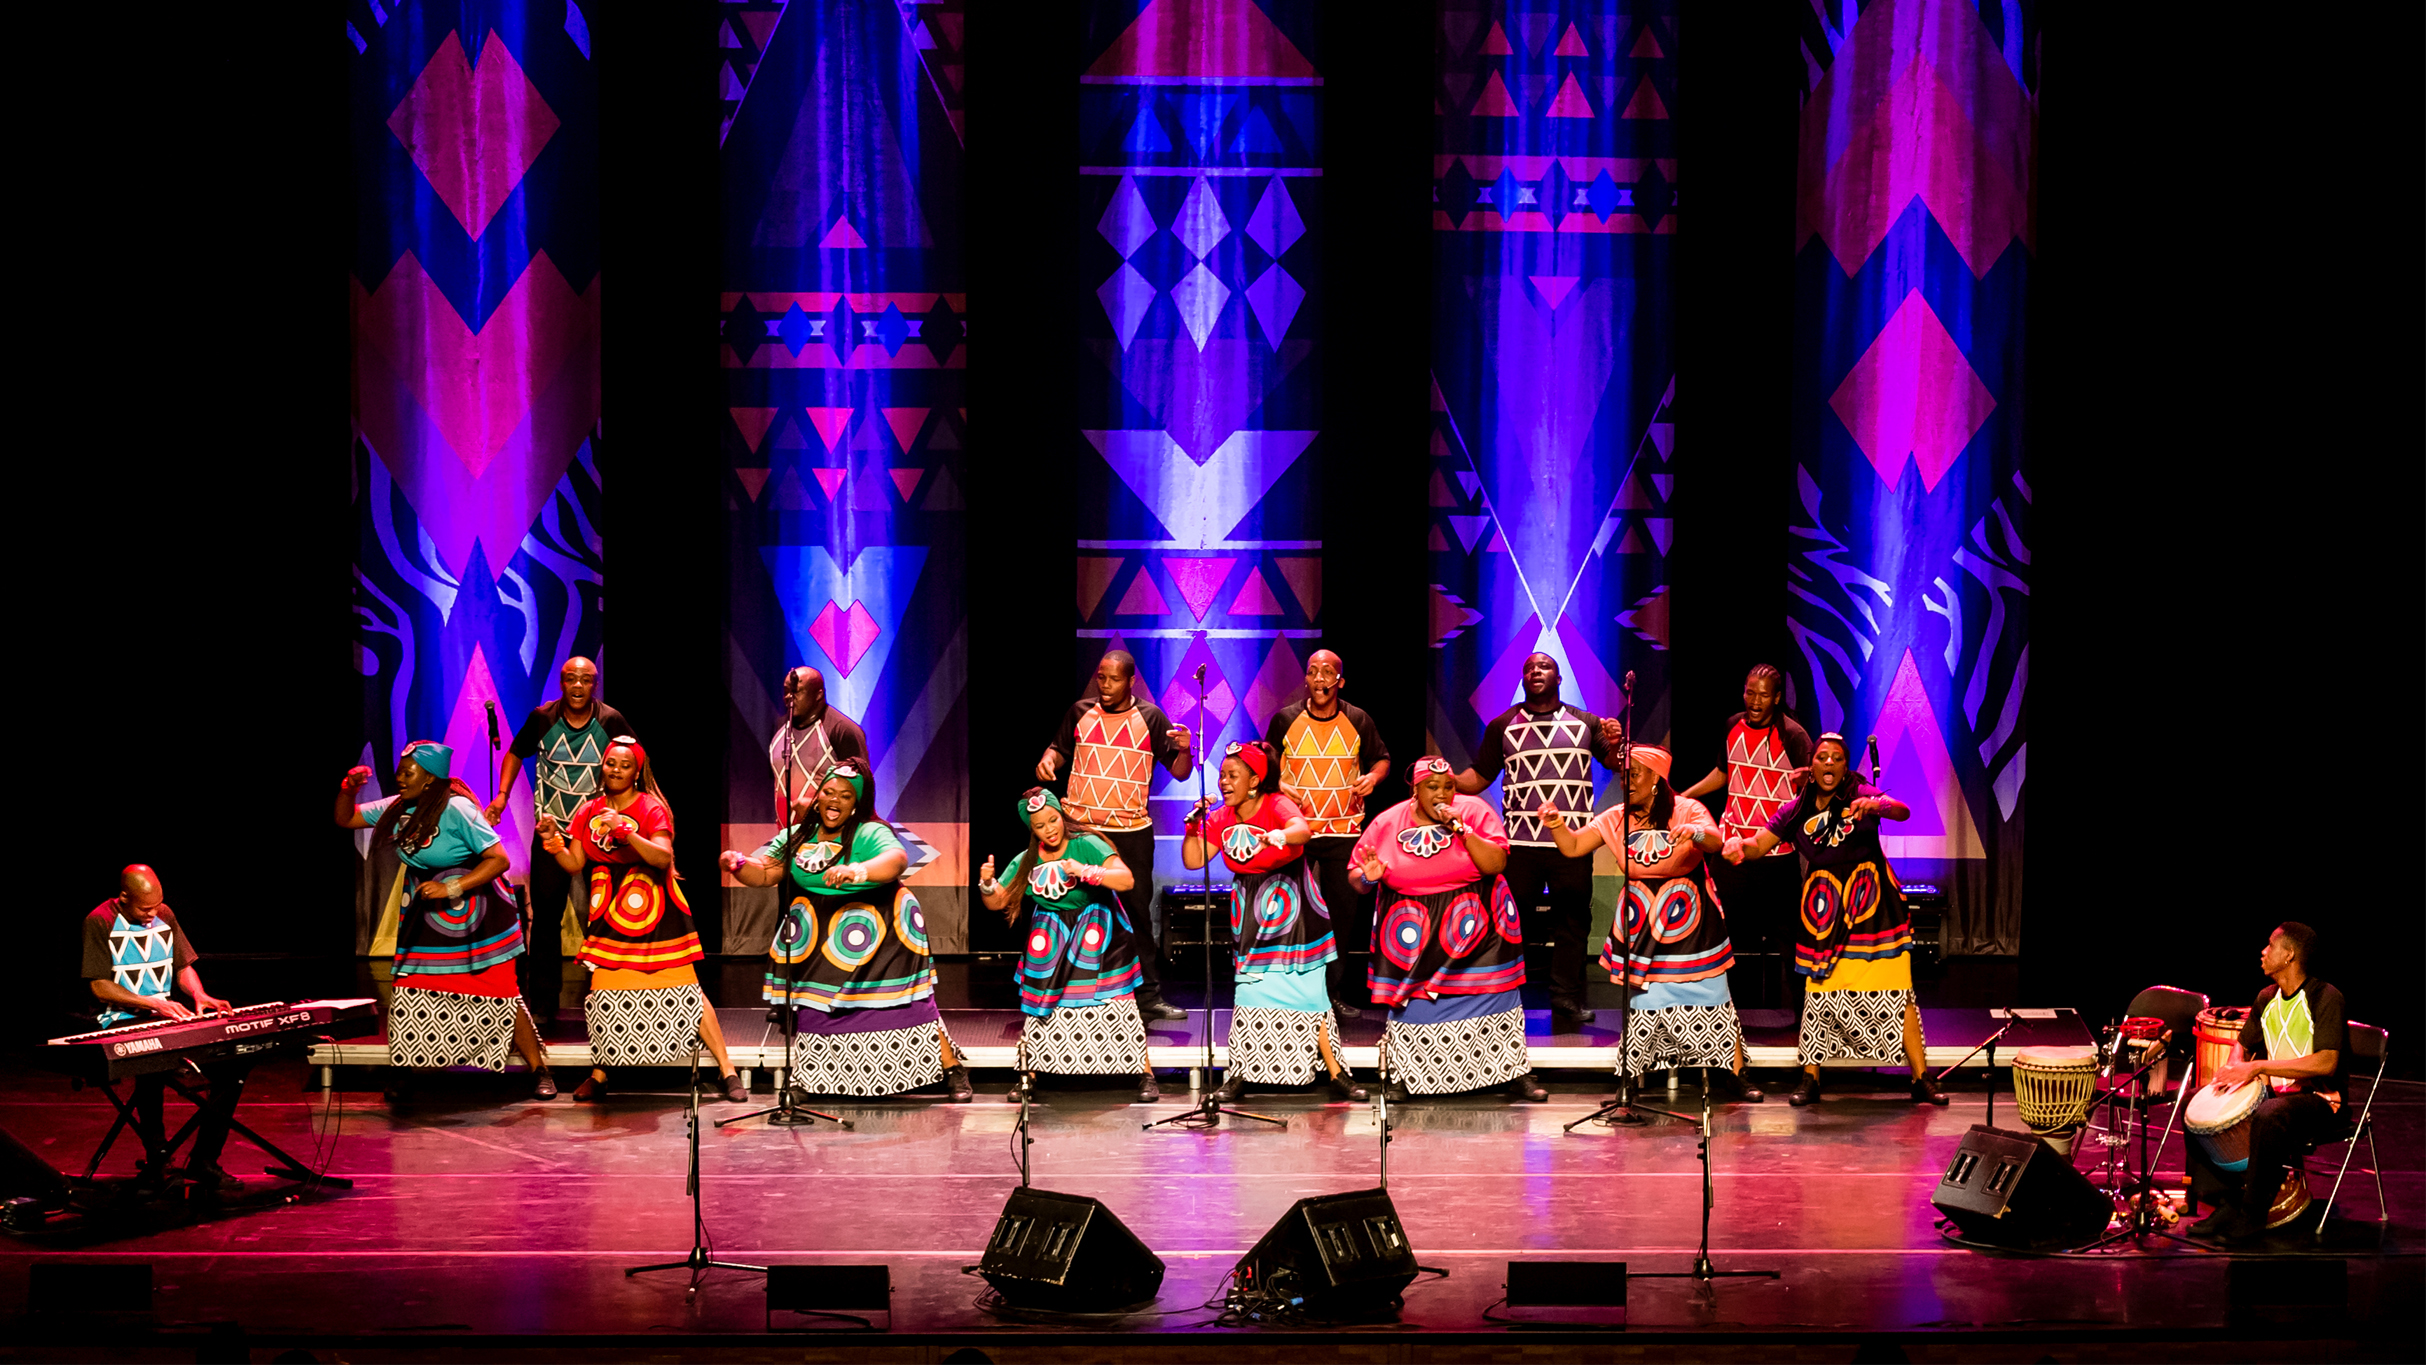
{"points": [[1448, 951], [1282, 1032]]}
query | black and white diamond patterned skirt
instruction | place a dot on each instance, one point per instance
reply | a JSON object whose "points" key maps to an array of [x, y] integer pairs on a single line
{"points": [[644, 1028], [429, 1029], [1279, 1047], [1863, 1026], [1464, 1054], [1089, 1040], [880, 1062], [1681, 1036]]}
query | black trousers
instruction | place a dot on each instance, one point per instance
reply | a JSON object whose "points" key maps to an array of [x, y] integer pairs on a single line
{"points": [[542, 971], [1762, 899], [1546, 876], [2282, 1127], [1351, 916], [226, 1087], [1136, 848]]}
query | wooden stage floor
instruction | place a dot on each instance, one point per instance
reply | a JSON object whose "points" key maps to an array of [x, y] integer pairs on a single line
{"points": [[484, 1225]]}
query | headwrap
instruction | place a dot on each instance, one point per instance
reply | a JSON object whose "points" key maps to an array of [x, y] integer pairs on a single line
{"points": [[849, 771], [1425, 767], [1034, 800], [1655, 758], [1840, 743], [433, 757], [640, 756], [1258, 762]]}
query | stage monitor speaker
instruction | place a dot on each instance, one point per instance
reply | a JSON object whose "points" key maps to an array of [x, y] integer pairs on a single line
{"points": [[1066, 1253], [828, 1291], [2012, 1190], [24, 1174], [1332, 1255]]}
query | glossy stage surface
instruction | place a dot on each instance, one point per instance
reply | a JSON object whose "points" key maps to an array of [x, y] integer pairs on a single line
{"points": [[502, 1226]]}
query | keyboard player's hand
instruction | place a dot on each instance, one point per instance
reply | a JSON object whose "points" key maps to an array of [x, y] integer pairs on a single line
{"points": [[170, 1009]]}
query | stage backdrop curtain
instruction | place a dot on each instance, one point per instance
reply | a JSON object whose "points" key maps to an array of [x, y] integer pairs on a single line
{"points": [[1553, 357], [845, 389], [1198, 511], [1908, 577], [476, 457]]}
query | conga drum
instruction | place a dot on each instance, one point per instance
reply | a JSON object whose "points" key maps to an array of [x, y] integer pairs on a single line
{"points": [[2218, 1032], [2053, 1086], [2218, 1120], [2143, 1037]]}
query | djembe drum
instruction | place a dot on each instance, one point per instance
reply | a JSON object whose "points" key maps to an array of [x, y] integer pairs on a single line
{"points": [[2218, 1120], [2053, 1086], [2218, 1031]]}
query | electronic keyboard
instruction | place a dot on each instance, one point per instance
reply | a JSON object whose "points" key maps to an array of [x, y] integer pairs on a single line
{"points": [[149, 1045]]}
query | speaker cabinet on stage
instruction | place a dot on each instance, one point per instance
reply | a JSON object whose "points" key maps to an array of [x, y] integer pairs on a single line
{"points": [[1066, 1253], [2011, 1189], [1338, 1253]]}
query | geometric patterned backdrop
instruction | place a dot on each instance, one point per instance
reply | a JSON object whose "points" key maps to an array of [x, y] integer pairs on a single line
{"points": [[1553, 357], [1909, 578], [476, 463], [844, 363], [1198, 513]]}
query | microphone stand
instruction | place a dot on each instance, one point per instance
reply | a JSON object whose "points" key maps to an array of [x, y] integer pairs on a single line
{"points": [[1702, 1269], [700, 1257], [1989, 1046], [1207, 1113]]}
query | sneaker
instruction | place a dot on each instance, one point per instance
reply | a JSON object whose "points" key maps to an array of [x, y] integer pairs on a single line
{"points": [[1808, 1092], [956, 1085]]}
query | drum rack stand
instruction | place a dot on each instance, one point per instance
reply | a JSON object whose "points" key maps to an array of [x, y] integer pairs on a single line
{"points": [[2139, 1191]]}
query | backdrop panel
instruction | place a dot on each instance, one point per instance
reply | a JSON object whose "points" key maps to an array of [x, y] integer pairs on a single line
{"points": [[1197, 493], [844, 365], [1553, 357], [1909, 579], [478, 566]]}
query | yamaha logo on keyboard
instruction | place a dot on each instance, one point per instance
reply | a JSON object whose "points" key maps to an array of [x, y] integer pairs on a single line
{"points": [[134, 1045]]}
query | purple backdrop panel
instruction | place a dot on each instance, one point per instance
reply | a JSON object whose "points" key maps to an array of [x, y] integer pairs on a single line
{"points": [[1909, 582], [1553, 357]]}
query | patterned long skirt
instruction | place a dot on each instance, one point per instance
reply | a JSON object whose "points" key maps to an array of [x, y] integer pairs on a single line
{"points": [[428, 1028], [1681, 1036], [1280, 1047], [868, 1052], [645, 1026], [1087, 1040], [1459, 1055], [1853, 1026]]}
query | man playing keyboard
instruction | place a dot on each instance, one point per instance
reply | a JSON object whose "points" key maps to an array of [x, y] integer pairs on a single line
{"points": [[135, 951]]}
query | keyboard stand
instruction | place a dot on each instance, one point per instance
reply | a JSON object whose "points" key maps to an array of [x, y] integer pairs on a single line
{"points": [[288, 1168]]}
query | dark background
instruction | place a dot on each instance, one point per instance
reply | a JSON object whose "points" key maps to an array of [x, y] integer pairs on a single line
{"points": [[2225, 435]]}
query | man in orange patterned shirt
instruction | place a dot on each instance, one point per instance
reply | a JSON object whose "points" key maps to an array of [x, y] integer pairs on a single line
{"points": [[1331, 759], [1110, 742]]}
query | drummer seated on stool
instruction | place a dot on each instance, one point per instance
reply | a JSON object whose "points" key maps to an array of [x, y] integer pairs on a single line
{"points": [[2294, 1038]]}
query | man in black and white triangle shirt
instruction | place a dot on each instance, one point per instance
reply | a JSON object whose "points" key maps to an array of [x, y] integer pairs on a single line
{"points": [[1546, 749]]}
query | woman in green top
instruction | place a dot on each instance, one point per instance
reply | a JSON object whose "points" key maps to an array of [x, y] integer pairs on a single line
{"points": [[1079, 974], [850, 955]]}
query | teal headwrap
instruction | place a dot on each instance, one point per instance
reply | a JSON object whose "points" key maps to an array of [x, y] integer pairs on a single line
{"points": [[1034, 800], [434, 758], [851, 773]]}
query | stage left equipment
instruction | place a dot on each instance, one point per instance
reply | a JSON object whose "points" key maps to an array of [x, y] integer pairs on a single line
{"points": [[238, 1037], [2009, 1189], [1331, 1256], [1067, 1253]]}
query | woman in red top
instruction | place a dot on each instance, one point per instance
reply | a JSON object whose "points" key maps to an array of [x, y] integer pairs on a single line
{"points": [[1282, 1031], [1448, 950], [645, 1007]]}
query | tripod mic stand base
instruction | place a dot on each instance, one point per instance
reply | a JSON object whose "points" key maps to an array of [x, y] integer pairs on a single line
{"points": [[697, 1260], [1209, 1116]]}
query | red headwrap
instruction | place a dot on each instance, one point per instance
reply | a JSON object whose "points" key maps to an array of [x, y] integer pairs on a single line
{"points": [[640, 756], [1257, 761], [1425, 766]]}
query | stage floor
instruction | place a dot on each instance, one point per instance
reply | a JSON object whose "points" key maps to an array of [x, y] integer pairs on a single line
{"points": [[486, 1221]]}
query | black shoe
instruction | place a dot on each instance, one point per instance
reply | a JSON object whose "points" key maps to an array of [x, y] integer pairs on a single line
{"points": [[1806, 1093], [399, 1091], [208, 1182], [1160, 1009], [734, 1091], [1528, 1089], [2223, 1225], [1745, 1091], [1396, 1093], [1344, 1084], [1345, 1010], [543, 1086], [590, 1091], [1232, 1089], [1925, 1091], [1023, 1088], [1149, 1091], [956, 1085], [1565, 1020]]}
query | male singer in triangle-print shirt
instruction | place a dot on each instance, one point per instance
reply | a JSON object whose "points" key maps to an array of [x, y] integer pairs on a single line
{"points": [[1109, 743], [1547, 749], [1331, 759], [1767, 757]]}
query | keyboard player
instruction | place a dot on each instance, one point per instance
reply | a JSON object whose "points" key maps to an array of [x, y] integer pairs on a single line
{"points": [[136, 957]]}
